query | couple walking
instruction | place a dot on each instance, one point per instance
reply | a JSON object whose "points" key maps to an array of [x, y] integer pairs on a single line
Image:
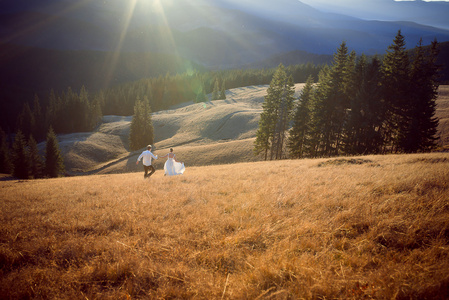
{"points": [[171, 167]]}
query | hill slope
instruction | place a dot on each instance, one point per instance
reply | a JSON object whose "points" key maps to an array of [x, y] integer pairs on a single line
{"points": [[216, 132], [372, 227]]}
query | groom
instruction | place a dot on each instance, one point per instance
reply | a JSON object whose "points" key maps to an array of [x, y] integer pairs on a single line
{"points": [[147, 157]]}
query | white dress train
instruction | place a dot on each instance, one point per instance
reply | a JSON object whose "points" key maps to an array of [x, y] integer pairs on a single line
{"points": [[172, 167]]}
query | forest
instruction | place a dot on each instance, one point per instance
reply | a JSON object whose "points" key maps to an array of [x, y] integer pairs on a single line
{"points": [[358, 106]]}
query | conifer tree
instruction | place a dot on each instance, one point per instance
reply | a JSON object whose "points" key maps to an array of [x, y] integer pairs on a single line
{"points": [[298, 139], [396, 92], [222, 95], [363, 133], [39, 121], [422, 126], [20, 157], [54, 164], [201, 96], [26, 122], [148, 129], [318, 114], [95, 110], [141, 131], [275, 116], [36, 162], [5, 157], [337, 100], [332, 100], [216, 90], [285, 106]]}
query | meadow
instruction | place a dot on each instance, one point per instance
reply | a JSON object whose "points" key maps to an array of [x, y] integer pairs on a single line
{"points": [[371, 227]]}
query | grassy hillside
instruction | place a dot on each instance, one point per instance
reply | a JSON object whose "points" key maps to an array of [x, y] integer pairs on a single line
{"points": [[216, 132], [347, 228]]}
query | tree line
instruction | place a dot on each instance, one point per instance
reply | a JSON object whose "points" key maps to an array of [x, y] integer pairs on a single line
{"points": [[357, 106], [23, 159], [70, 111]]}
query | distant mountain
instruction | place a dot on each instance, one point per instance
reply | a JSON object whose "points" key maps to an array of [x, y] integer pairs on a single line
{"points": [[214, 33], [59, 43], [431, 13]]}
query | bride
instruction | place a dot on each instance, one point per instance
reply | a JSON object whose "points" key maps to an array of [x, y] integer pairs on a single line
{"points": [[172, 166]]}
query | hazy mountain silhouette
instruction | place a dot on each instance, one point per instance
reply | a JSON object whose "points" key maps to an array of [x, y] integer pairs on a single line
{"points": [[215, 33], [59, 43]]}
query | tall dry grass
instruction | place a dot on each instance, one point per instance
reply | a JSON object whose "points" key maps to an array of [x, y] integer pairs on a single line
{"points": [[347, 228]]}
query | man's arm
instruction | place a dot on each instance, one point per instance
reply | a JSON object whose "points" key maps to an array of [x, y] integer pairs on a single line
{"points": [[139, 158]]}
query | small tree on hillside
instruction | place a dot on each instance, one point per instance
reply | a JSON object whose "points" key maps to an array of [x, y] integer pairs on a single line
{"points": [[20, 159], [141, 131], [54, 164], [216, 90], [222, 95], [36, 162]]}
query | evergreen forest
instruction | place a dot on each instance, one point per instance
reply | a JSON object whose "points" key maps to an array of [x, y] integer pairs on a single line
{"points": [[359, 105]]}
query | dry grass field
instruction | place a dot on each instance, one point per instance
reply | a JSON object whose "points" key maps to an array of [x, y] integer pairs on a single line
{"points": [[373, 227]]}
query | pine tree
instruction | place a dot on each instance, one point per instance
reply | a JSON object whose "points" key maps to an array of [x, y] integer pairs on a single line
{"points": [[54, 164], [275, 116], [222, 95], [216, 90], [25, 120], [39, 121], [285, 107], [148, 130], [422, 125], [36, 163], [318, 114], [95, 110], [135, 133], [5, 159], [363, 128], [141, 131], [201, 96], [337, 100], [20, 158], [331, 103], [396, 92], [298, 139]]}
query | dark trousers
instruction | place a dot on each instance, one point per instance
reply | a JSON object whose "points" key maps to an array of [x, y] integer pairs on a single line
{"points": [[147, 169]]}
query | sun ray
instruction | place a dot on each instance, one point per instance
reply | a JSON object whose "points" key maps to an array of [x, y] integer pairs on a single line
{"points": [[111, 61]]}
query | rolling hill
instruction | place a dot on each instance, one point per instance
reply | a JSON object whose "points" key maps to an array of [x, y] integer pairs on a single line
{"points": [[211, 133]]}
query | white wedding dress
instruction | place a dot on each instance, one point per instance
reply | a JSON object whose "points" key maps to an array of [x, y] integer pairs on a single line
{"points": [[172, 167]]}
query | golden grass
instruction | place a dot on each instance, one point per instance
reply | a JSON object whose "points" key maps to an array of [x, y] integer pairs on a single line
{"points": [[362, 227]]}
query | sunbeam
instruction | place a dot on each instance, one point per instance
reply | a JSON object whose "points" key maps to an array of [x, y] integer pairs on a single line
{"points": [[111, 61]]}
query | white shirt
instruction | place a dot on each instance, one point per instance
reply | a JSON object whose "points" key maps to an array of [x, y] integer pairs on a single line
{"points": [[147, 156]]}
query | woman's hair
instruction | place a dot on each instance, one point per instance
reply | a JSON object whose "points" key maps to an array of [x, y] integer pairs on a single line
{"points": [[171, 149]]}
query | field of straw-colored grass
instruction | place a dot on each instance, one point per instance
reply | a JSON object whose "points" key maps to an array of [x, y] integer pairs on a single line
{"points": [[344, 228]]}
